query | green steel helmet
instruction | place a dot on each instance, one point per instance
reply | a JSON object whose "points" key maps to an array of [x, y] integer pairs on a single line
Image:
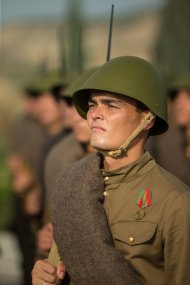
{"points": [[132, 77], [182, 82], [45, 82]]}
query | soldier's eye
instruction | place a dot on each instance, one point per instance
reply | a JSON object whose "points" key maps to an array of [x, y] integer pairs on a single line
{"points": [[112, 106], [90, 105]]}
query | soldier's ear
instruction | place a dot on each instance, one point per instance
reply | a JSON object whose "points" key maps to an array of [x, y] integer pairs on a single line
{"points": [[150, 124]]}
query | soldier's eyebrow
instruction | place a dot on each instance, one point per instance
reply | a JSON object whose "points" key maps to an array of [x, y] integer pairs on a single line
{"points": [[90, 100], [110, 100], [105, 100]]}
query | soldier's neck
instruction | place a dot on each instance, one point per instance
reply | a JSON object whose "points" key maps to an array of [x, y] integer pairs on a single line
{"points": [[132, 155], [55, 128]]}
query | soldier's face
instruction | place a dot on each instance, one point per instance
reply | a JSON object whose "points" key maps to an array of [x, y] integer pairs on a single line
{"points": [[111, 118], [80, 128], [181, 106], [49, 110]]}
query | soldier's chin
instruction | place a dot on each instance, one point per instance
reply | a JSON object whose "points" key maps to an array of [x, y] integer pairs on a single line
{"points": [[101, 147]]}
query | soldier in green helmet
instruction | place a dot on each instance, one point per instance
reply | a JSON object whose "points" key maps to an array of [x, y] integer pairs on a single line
{"points": [[147, 208], [177, 139], [180, 97], [64, 153]]}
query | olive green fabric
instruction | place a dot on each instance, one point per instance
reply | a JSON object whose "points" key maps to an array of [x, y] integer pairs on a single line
{"points": [[54, 257], [129, 76], [156, 245]]}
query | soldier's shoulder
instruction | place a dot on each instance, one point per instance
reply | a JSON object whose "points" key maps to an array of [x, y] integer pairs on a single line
{"points": [[89, 165], [169, 182], [62, 147]]}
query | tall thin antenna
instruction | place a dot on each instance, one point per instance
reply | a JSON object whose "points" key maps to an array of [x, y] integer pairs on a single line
{"points": [[110, 34]]}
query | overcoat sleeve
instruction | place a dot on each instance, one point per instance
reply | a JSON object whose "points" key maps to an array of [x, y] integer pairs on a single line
{"points": [[81, 231]]}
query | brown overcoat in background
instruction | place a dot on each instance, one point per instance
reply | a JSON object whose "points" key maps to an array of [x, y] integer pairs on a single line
{"points": [[62, 155]]}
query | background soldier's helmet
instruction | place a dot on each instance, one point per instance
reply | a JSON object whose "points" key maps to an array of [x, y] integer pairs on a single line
{"points": [[129, 76], [182, 82], [78, 82]]}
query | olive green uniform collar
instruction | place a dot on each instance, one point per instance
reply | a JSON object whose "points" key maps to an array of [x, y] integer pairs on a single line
{"points": [[144, 164]]}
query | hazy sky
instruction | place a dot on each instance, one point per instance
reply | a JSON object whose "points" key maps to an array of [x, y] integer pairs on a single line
{"points": [[23, 10]]}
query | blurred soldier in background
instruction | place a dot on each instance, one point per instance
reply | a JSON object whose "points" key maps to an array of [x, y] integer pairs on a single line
{"points": [[54, 119], [64, 153], [27, 139], [41, 126], [172, 149], [180, 93]]}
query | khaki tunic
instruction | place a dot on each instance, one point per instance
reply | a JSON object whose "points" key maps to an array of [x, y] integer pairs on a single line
{"points": [[157, 245]]}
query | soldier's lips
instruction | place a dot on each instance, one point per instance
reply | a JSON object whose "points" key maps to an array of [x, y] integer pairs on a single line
{"points": [[97, 129]]}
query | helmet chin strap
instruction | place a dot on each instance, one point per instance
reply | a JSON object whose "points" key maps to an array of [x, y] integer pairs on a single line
{"points": [[123, 148]]}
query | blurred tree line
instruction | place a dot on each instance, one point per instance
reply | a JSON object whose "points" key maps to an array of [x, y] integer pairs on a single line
{"points": [[172, 50], [70, 39]]}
